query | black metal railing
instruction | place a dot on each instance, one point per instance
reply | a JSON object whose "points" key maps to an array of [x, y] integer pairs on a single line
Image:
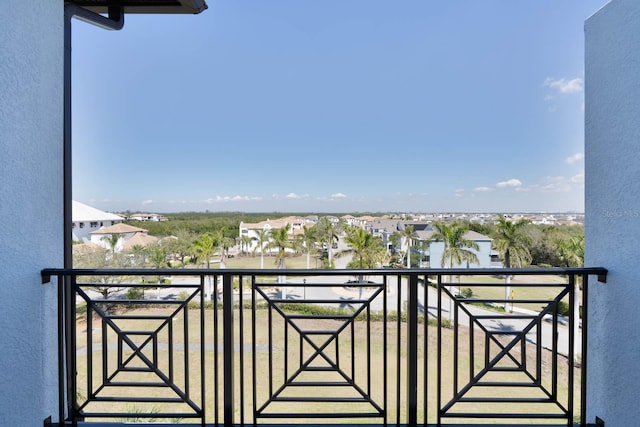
{"points": [[432, 346]]}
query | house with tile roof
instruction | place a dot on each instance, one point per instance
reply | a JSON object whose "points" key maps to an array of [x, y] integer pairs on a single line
{"points": [[87, 219], [125, 232], [296, 225]]}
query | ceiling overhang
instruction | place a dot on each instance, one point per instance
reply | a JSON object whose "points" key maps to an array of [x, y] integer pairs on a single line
{"points": [[143, 6]]}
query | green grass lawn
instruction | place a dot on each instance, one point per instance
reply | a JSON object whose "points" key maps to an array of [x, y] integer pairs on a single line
{"points": [[522, 287], [253, 262]]}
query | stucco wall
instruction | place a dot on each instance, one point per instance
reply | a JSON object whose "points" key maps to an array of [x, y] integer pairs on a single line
{"points": [[31, 132], [613, 210]]}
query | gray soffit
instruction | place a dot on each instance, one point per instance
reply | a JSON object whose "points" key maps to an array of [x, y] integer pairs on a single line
{"points": [[143, 6]]}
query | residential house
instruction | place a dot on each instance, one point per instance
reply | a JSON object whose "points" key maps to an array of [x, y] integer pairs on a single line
{"points": [[87, 219], [252, 230], [383, 228], [354, 221], [434, 249], [144, 217], [125, 232]]}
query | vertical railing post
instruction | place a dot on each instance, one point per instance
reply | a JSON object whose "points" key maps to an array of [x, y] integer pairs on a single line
{"points": [[583, 352], [572, 347], [70, 345], [62, 331], [227, 321], [412, 351]]}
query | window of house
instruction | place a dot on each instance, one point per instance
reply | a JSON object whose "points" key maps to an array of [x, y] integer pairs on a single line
{"points": [[82, 225], [94, 224]]}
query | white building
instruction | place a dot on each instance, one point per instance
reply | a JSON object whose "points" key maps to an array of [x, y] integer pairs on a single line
{"points": [[252, 230], [436, 249], [144, 217], [87, 219]]}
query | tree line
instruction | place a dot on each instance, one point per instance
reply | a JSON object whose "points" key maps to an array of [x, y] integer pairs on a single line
{"points": [[196, 238]]}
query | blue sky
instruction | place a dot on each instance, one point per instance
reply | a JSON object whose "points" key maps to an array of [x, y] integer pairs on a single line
{"points": [[334, 106]]}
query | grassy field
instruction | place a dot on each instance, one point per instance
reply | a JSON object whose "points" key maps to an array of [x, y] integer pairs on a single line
{"points": [[253, 262], [278, 356]]}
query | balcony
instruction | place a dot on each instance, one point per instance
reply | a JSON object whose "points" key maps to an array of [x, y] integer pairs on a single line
{"points": [[382, 347]]}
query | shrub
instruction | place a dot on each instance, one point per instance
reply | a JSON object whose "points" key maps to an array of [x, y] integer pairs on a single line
{"points": [[563, 308], [135, 293]]}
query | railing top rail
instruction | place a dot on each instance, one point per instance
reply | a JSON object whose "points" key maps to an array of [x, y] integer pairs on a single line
{"points": [[601, 272]]}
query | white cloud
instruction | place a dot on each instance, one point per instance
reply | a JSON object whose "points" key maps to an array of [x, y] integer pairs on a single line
{"points": [[458, 192], [510, 183], [237, 198], [554, 184], [296, 196], [578, 178], [146, 202], [575, 158], [338, 196], [483, 189], [564, 86]]}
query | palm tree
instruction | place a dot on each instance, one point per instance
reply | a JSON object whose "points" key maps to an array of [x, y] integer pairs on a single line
{"points": [[455, 250], [139, 255], [308, 239], [280, 241], [513, 243], [158, 257], [328, 233], [455, 244], [572, 253], [112, 240], [408, 234], [364, 246], [245, 242], [263, 241], [223, 243], [205, 245], [181, 245]]}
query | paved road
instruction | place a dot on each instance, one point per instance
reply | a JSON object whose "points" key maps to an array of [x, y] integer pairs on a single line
{"points": [[347, 296]]}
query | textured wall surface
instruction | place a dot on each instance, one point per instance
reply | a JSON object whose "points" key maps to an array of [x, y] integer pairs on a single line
{"points": [[31, 132], [612, 114]]}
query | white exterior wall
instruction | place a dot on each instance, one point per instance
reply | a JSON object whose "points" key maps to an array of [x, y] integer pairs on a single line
{"points": [[31, 205], [612, 220], [253, 234], [484, 255], [83, 233], [98, 240]]}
